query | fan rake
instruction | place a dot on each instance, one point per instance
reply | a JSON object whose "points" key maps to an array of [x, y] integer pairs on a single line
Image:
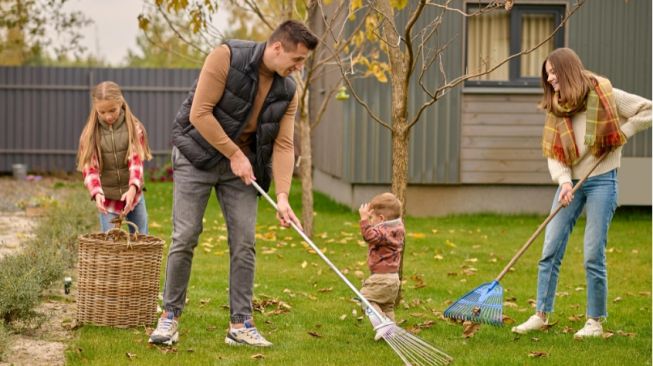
{"points": [[411, 349], [484, 304]]}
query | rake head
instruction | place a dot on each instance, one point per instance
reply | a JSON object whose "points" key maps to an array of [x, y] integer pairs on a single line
{"points": [[484, 304], [412, 350]]}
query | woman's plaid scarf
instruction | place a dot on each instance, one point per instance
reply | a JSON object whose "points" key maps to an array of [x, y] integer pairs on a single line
{"points": [[602, 131]]}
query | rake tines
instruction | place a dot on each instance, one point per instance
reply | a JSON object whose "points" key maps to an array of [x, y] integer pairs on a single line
{"points": [[484, 304], [412, 350]]}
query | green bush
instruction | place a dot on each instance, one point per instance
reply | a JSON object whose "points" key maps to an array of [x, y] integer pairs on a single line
{"points": [[4, 340], [19, 287], [44, 258]]}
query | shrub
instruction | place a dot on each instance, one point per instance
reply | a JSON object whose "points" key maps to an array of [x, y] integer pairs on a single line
{"points": [[19, 287], [4, 340]]}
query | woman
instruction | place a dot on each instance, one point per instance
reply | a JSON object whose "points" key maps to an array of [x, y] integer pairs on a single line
{"points": [[585, 118]]}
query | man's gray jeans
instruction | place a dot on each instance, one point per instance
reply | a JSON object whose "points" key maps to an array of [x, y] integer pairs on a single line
{"points": [[192, 189]]}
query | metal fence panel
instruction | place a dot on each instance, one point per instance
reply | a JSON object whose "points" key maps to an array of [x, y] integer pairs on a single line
{"points": [[43, 111]]}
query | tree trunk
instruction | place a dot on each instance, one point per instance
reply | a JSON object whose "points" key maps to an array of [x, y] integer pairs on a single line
{"points": [[400, 140], [305, 171], [400, 137]]}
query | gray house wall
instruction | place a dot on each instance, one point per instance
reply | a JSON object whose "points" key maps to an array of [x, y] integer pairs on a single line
{"points": [[43, 111], [478, 149]]}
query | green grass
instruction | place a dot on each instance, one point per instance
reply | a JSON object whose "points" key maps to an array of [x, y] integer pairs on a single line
{"points": [[441, 256]]}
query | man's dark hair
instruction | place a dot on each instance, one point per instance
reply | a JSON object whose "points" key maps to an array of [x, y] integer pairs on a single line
{"points": [[292, 32]]}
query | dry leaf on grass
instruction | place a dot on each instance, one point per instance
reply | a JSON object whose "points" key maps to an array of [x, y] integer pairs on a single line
{"points": [[314, 334], [538, 354], [567, 330], [508, 320], [425, 325], [258, 356], [617, 299], [607, 335], [575, 318], [625, 334], [469, 329], [549, 325], [130, 355]]}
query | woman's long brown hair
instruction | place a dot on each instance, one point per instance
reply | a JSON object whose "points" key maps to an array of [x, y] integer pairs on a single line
{"points": [[572, 78], [89, 141]]}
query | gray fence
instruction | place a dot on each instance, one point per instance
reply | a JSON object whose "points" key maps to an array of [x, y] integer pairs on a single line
{"points": [[43, 111]]}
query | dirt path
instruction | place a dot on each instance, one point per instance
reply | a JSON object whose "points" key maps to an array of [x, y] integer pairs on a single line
{"points": [[19, 212]]}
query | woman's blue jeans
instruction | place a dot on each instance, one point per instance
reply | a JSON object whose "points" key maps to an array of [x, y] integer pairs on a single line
{"points": [[138, 216], [599, 196]]}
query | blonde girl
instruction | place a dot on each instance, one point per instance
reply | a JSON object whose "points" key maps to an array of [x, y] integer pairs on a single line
{"points": [[112, 148]]}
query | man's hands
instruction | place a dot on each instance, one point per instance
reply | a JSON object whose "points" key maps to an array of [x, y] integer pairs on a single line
{"points": [[241, 167], [565, 196], [285, 215]]}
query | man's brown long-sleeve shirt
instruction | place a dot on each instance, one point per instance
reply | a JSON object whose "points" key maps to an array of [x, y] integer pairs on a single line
{"points": [[210, 87]]}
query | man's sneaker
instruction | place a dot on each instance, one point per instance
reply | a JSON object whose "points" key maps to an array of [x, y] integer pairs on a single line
{"points": [[247, 335], [533, 323], [166, 331], [592, 328]]}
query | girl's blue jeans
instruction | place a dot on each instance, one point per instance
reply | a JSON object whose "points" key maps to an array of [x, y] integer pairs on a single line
{"points": [[599, 196], [138, 216]]}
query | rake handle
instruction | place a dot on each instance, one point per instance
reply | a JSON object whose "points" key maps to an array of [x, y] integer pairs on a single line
{"points": [[319, 252], [546, 221]]}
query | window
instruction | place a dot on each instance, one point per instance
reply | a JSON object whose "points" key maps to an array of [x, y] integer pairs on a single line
{"points": [[497, 34]]}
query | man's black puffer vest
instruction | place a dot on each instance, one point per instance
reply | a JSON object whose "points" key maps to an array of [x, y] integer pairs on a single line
{"points": [[233, 111]]}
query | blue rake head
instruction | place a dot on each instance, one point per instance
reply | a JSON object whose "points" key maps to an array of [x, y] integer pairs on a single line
{"points": [[483, 304]]}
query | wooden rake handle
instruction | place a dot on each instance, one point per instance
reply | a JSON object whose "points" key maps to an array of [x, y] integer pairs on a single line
{"points": [[546, 221]]}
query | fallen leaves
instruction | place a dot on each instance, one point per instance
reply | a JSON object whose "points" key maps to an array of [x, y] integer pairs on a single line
{"points": [[419, 281], [276, 306], [538, 354], [470, 328]]}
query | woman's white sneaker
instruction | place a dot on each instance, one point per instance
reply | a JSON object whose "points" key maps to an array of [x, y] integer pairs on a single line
{"points": [[533, 323], [592, 328]]}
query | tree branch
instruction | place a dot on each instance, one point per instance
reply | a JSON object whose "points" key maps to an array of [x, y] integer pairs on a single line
{"points": [[455, 82]]}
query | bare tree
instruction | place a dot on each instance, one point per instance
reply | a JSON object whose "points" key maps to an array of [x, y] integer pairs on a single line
{"points": [[320, 63], [409, 53]]}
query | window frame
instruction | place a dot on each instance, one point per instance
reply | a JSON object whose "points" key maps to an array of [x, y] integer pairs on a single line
{"points": [[514, 66]]}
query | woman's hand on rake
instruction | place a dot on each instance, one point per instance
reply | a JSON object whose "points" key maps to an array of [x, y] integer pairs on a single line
{"points": [[565, 196], [285, 214]]}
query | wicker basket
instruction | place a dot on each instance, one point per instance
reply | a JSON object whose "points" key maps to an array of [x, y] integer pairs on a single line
{"points": [[118, 281]]}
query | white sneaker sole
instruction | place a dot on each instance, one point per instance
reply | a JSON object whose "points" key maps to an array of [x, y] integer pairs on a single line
{"points": [[232, 342], [583, 336], [169, 342]]}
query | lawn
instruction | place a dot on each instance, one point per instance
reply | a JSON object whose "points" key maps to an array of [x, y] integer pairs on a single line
{"points": [[309, 315]]}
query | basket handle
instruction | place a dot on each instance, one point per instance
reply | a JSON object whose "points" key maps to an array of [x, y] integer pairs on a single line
{"points": [[118, 221]]}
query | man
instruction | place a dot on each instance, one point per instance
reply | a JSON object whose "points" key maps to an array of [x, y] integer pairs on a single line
{"points": [[236, 126]]}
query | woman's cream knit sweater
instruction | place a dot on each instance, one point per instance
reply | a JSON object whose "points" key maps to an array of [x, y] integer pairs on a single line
{"points": [[634, 115]]}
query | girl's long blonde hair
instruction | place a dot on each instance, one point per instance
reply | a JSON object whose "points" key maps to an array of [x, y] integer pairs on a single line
{"points": [[572, 77], [89, 141]]}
